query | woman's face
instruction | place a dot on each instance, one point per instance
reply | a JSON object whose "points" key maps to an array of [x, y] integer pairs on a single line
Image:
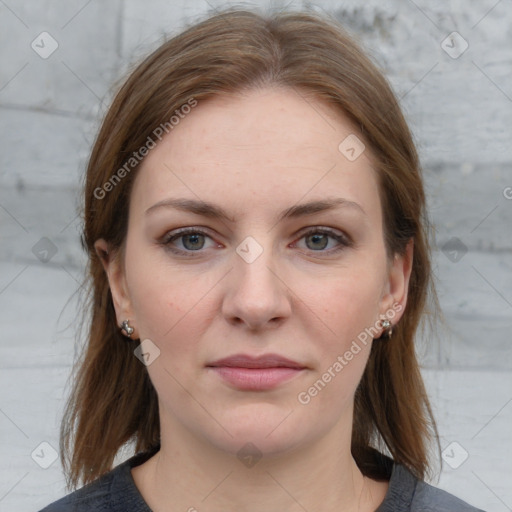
{"points": [[273, 277]]}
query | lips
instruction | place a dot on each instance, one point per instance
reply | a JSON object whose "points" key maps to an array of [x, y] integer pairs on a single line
{"points": [[265, 361], [246, 373]]}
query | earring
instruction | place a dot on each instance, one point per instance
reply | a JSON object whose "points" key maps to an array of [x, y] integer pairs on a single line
{"points": [[126, 329], [388, 330]]}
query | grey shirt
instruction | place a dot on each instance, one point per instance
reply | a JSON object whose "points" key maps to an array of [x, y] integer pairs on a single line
{"points": [[116, 492]]}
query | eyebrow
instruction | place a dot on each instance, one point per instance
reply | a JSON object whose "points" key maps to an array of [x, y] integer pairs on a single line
{"points": [[213, 211]]}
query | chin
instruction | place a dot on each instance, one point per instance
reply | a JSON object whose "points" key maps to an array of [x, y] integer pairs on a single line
{"points": [[270, 429]]}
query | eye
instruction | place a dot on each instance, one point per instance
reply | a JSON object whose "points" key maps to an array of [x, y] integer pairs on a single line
{"points": [[191, 240], [317, 240]]}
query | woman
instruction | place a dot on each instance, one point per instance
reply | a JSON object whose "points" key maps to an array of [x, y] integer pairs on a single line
{"points": [[255, 222]]}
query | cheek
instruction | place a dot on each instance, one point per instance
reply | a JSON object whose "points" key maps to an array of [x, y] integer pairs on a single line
{"points": [[345, 305], [163, 307], [343, 313], [170, 305]]}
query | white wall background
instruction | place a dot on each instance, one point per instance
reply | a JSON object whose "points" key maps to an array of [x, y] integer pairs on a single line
{"points": [[459, 107]]}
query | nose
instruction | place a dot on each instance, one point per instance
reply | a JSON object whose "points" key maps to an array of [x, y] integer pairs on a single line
{"points": [[256, 296]]}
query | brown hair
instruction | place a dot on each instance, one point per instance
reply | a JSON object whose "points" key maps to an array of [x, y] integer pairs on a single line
{"points": [[113, 401]]}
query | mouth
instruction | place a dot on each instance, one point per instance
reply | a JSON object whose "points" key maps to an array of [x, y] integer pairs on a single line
{"points": [[256, 373]]}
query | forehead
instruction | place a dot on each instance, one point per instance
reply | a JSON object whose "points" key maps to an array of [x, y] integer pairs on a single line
{"points": [[258, 148]]}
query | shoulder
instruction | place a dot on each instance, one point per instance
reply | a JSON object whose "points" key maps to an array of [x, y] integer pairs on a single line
{"points": [[113, 492], [408, 494], [428, 498], [94, 496]]}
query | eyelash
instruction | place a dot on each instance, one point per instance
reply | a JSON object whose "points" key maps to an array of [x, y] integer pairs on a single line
{"points": [[167, 240]]}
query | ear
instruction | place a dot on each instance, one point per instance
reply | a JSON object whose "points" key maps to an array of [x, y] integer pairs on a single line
{"points": [[113, 265], [397, 285]]}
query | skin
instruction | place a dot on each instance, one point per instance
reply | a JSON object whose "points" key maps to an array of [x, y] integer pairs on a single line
{"points": [[255, 154]]}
